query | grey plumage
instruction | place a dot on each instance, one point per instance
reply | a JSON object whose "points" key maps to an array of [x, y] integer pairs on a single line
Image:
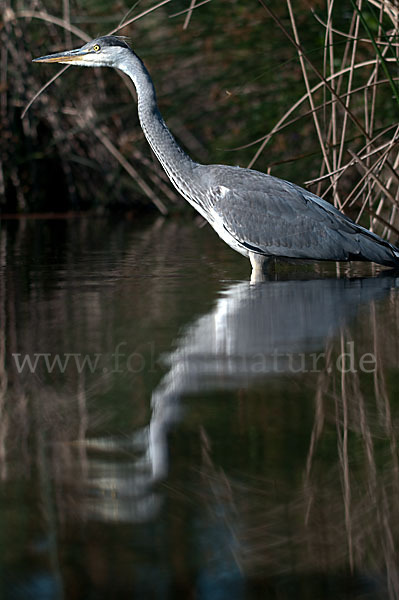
{"points": [[290, 221], [257, 214]]}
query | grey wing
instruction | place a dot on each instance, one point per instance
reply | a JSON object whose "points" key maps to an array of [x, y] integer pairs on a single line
{"points": [[275, 217]]}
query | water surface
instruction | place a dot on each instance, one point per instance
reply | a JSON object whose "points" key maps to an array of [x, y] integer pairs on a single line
{"points": [[169, 430]]}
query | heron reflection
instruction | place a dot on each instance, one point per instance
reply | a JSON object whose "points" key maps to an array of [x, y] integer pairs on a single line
{"points": [[255, 332], [252, 334]]}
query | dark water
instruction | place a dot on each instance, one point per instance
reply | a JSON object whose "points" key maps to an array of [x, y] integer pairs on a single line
{"points": [[168, 430]]}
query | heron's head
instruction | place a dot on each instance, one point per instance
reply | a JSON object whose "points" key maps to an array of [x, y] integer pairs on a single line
{"points": [[106, 51]]}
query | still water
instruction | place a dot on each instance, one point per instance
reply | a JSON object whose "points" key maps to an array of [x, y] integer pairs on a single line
{"points": [[168, 430]]}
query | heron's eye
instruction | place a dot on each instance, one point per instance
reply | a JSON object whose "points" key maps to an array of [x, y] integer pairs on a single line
{"points": [[96, 48]]}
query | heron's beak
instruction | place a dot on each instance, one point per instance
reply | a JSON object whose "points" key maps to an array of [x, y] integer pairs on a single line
{"points": [[64, 57]]}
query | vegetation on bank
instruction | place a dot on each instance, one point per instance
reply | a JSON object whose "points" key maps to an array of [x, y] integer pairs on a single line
{"points": [[310, 96]]}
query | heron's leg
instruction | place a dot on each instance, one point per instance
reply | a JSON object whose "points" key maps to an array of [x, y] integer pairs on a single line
{"points": [[259, 264]]}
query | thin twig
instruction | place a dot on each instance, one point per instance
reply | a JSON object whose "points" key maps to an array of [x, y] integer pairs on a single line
{"points": [[189, 14], [307, 85], [190, 9], [45, 86], [266, 138], [130, 169], [137, 17], [43, 16], [371, 174]]}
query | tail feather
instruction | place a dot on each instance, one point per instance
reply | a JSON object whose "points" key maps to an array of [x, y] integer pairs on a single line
{"points": [[358, 243], [375, 249]]}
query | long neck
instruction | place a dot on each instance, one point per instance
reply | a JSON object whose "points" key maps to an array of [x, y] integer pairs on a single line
{"points": [[177, 164]]}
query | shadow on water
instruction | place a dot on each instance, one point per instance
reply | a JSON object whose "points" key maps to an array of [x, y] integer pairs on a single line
{"points": [[219, 439]]}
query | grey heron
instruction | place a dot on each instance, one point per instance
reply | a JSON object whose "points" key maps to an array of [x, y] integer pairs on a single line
{"points": [[256, 214]]}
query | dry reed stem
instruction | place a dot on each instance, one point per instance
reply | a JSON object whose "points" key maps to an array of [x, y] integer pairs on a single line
{"points": [[370, 174], [189, 14], [353, 37], [307, 85], [140, 16], [104, 139], [369, 167], [323, 81], [340, 109], [43, 16], [349, 88], [190, 9], [318, 86], [44, 87], [332, 133]]}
